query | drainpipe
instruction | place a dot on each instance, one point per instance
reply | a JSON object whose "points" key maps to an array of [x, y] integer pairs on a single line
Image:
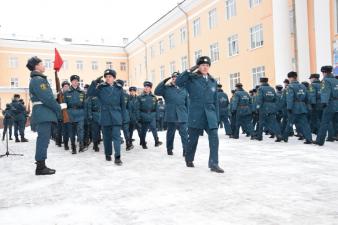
{"points": [[295, 33], [146, 55], [188, 31]]}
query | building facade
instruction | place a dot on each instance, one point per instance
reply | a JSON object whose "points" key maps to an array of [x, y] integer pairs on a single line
{"points": [[246, 40]]}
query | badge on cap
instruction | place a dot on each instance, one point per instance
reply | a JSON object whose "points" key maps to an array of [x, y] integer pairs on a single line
{"points": [[205, 60]]}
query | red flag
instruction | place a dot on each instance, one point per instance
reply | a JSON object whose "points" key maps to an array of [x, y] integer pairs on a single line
{"points": [[57, 61]]}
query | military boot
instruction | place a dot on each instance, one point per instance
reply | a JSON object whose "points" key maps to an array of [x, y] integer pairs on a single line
{"points": [[17, 139], [189, 164], [42, 169], [170, 152], [157, 142], [118, 161], [23, 139], [66, 146], [217, 169], [82, 147], [73, 149], [129, 145], [96, 147], [144, 144]]}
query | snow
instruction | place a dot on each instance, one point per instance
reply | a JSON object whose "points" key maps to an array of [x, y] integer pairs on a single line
{"points": [[265, 183]]}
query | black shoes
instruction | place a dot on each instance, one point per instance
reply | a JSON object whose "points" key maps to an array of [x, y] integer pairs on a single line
{"points": [[157, 142], [82, 147], [189, 164], [316, 143], [66, 147], [118, 161], [23, 139], [217, 169], [129, 145], [17, 139], [108, 157], [74, 149], [96, 147], [307, 142], [42, 169], [170, 152]]}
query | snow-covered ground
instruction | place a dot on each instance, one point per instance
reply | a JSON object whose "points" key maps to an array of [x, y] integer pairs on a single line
{"points": [[265, 183]]}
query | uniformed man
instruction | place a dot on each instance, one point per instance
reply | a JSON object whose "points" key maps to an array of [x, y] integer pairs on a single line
{"points": [[19, 119], [147, 103], [223, 102], [75, 100], [241, 107], [133, 113], [160, 110], [255, 114], [316, 106], [176, 111], [203, 113], [45, 111], [87, 133], [329, 100], [65, 127], [232, 114], [267, 101], [7, 121], [113, 113], [279, 94], [94, 114], [296, 100]]}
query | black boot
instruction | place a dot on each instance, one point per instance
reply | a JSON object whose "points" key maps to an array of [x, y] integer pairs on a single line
{"points": [[144, 144], [189, 164], [217, 169], [170, 152], [118, 161], [96, 147], [108, 157], [129, 145], [42, 169], [10, 138], [23, 139], [157, 142], [66, 146], [308, 142], [17, 139], [82, 147], [279, 139], [74, 149]]}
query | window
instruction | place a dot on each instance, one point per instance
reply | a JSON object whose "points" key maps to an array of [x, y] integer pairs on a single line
{"points": [[198, 54], [14, 82], [230, 9], [152, 76], [13, 62], [254, 3], [48, 63], [184, 63], [256, 34], [109, 65], [197, 27], [65, 65], [79, 65], [161, 47], [172, 67], [152, 52], [234, 79], [212, 18], [183, 32], [214, 52], [257, 73], [123, 66], [81, 83], [233, 45], [95, 66], [171, 41], [162, 71]]}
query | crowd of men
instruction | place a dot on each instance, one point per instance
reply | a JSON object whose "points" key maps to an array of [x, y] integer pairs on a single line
{"points": [[194, 102]]}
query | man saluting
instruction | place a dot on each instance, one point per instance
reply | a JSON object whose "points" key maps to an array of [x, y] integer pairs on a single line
{"points": [[45, 112], [203, 110]]}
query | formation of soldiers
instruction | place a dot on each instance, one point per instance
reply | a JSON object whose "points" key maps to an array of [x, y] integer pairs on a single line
{"points": [[194, 102]]}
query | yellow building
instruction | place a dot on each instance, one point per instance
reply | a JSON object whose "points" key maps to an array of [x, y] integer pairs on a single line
{"points": [[246, 39]]}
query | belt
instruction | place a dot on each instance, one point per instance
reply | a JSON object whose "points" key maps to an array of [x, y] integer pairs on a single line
{"points": [[148, 111], [75, 107], [37, 103], [95, 110]]}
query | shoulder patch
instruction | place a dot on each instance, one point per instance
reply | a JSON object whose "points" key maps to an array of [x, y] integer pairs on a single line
{"points": [[43, 86]]}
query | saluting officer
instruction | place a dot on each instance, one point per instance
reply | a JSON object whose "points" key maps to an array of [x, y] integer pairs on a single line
{"points": [[113, 113], [75, 100], [147, 104], [176, 111], [45, 111], [203, 111]]}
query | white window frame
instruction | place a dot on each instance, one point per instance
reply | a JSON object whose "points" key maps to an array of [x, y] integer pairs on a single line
{"points": [[235, 78], [256, 36], [172, 66], [230, 9], [13, 62], [214, 52], [162, 72], [81, 83], [184, 63], [233, 45], [14, 82], [109, 65], [152, 52], [197, 27], [197, 54], [48, 63], [79, 64], [95, 65], [254, 3], [123, 66], [171, 40], [257, 73], [161, 47], [212, 15], [183, 32]]}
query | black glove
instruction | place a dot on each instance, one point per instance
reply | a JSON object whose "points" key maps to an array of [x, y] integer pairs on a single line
{"points": [[192, 69], [166, 79], [99, 80]]}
